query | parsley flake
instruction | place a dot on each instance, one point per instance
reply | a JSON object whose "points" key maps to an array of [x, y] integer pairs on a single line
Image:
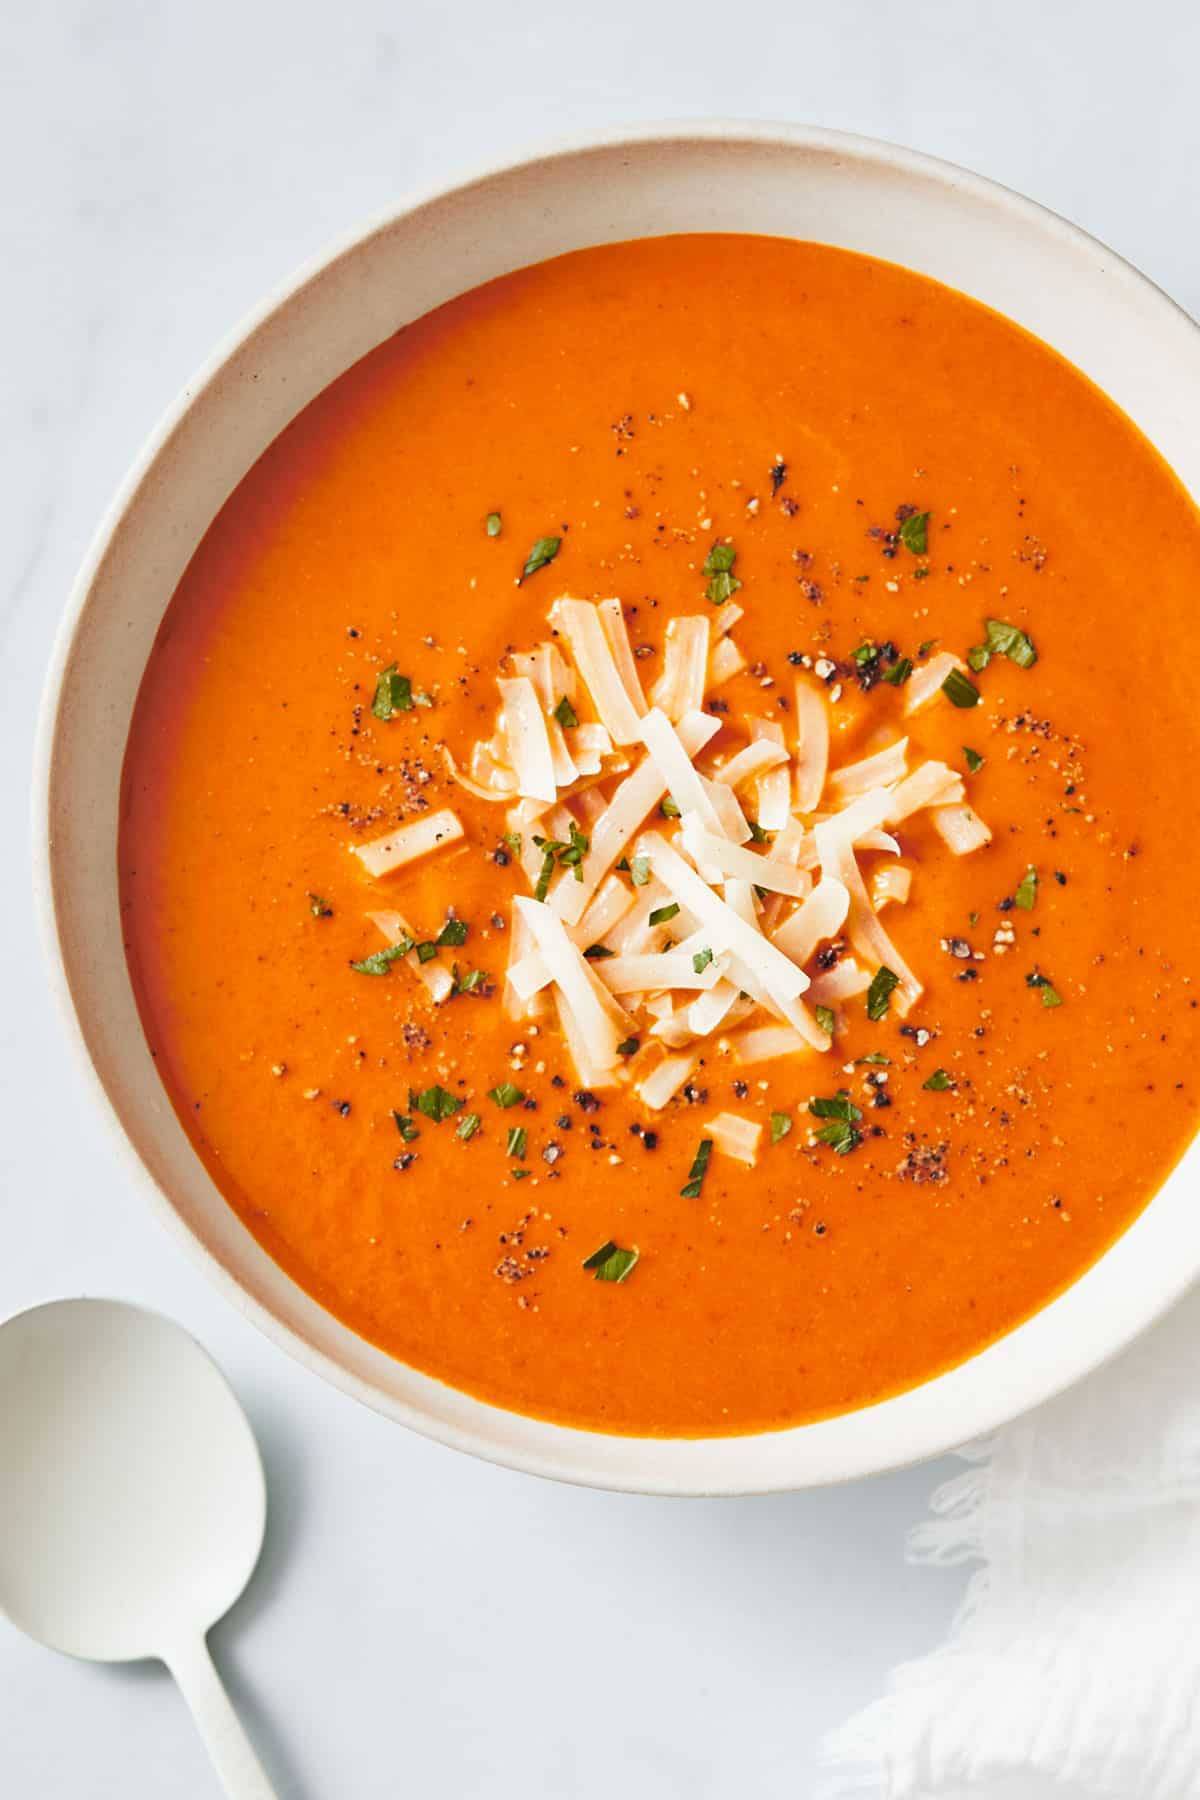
{"points": [[380, 961], [516, 1141], [959, 691], [781, 1124], [452, 934], [718, 566], [914, 533], [973, 760], [695, 1181], [701, 960], [566, 715], [826, 1019], [1027, 889], [610, 1262], [437, 1103], [1008, 640], [884, 983], [492, 524], [405, 1126], [661, 914], [543, 552], [938, 1082], [393, 694], [839, 1107], [506, 1094], [639, 871], [840, 1136], [467, 1126]]}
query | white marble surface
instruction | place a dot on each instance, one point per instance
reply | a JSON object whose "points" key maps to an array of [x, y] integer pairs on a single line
{"points": [[421, 1624]]}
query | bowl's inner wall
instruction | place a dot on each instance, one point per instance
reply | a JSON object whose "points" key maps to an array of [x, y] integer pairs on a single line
{"points": [[996, 248]]}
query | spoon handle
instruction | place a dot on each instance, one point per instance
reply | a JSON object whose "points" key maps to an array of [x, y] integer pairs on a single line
{"points": [[225, 1739]]}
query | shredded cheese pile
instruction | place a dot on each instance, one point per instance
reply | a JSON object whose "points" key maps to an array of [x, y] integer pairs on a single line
{"points": [[661, 920]]}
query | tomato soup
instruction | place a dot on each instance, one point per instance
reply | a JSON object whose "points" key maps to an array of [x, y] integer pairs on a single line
{"points": [[652, 831]]}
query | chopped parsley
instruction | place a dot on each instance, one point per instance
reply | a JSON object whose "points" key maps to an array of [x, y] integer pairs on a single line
{"points": [[598, 952], [470, 983], [566, 715], [437, 1103], [1008, 640], [492, 524], [639, 871], [695, 1181], [405, 1126], [701, 960], [543, 552], [380, 961], [826, 1019], [567, 854], [393, 694], [840, 1136], [884, 983], [718, 566], [426, 952], [839, 1107], [513, 840], [610, 1262], [959, 691], [781, 1124], [670, 808], [1050, 994], [973, 760], [899, 672], [467, 1126], [661, 914], [876, 1060], [506, 1094], [319, 907], [1027, 888], [628, 1046], [757, 834], [516, 1141], [938, 1082], [914, 533], [452, 934], [1003, 639]]}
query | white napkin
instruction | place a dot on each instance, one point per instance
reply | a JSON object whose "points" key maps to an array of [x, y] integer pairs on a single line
{"points": [[1073, 1669]]}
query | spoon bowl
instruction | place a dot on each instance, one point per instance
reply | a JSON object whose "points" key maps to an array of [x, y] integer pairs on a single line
{"points": [[132, 1499]]}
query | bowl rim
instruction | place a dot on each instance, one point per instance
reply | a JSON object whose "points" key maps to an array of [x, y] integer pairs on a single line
{"points": [[1076, 1360]]}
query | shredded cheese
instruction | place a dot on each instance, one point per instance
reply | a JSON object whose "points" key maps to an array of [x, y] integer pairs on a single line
{"points": [[680, 687], [529, 748], [701, 942], [735, 1136], [812, 745], [404, 844], [579, 622]]}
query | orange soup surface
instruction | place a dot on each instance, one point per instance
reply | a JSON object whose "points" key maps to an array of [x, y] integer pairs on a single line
{"points": [[862, 469]]}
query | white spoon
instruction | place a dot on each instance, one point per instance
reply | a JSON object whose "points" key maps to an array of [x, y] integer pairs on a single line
{"points": [[132, 1501]]}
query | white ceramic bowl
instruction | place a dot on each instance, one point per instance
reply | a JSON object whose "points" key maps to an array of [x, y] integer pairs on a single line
{"points": [[1068, 289]]}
